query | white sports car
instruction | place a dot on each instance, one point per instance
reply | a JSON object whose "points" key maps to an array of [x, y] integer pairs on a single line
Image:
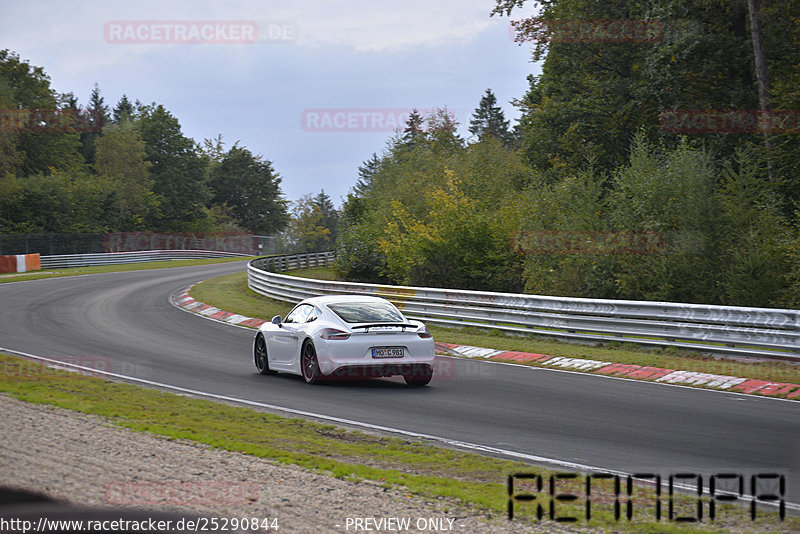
{"points": [[346, 336]]}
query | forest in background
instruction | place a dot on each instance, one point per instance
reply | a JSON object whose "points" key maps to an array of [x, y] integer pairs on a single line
{"points": [[66, 168], [590, 195]]}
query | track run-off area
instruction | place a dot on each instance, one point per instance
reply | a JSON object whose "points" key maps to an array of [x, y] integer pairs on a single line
{"points": [[575, 421]]}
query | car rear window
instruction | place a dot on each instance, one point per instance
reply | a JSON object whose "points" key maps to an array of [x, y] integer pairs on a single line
{"points": [[367, 312]]}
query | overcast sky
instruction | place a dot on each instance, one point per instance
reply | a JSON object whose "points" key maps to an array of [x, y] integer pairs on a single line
{"points": [[313, 86]]}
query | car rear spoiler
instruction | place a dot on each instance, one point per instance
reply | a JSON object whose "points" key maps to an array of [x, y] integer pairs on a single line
{"points": [[374, 325]]}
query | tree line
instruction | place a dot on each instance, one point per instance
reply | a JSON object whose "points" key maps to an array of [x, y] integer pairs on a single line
{"points": [[589, 195], [592, 193], [127, 168]]}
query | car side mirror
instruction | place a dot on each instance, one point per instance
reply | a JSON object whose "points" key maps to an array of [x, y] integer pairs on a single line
{"points": [[277, 320]]}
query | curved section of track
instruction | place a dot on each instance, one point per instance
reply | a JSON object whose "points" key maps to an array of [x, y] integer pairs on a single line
{"points": [[583, 419]]}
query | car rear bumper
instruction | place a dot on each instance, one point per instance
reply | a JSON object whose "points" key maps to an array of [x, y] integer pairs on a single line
{"points": [[355, 372], [347, 358]]}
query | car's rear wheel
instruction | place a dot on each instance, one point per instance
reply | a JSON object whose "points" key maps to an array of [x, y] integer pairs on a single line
{"points": [[260, 356], [421, 376], [309, 364]]}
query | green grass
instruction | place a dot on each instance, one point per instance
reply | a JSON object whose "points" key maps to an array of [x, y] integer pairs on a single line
{"points": [[317, 273], [76, 271], [230, 292], [414, 466]]}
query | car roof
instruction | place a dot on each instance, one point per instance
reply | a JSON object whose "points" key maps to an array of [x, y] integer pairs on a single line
{"points": [[333, 299]]}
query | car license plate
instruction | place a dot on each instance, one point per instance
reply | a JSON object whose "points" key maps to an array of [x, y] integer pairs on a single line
{"points": [[388, 352]]}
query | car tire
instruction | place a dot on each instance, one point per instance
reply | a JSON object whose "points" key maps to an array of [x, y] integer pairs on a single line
{"points": [[309, 365], [261, 357], [419, 377]]}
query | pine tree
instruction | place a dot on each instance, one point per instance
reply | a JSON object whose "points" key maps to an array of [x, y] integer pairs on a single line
{"points": [[124, 110], [366, 171], [330, 217], [68, 101], [98, 116], [97, 106], [414, 131], [488, 119]]}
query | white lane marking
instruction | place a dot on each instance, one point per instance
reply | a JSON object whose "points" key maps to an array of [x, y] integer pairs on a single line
{"points": [[584, 468]]}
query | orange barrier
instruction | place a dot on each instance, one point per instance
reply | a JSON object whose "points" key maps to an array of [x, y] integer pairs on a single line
{"points": [[33, 262], [20, 263]]}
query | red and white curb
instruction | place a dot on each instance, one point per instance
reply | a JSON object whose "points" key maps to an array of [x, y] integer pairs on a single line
{"points": [[186, 302], [638, 372], [656, 374]]}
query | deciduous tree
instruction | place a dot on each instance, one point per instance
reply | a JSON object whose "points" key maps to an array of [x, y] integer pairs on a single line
{"points": [[178, 171], [121, 158], [250, 187]]}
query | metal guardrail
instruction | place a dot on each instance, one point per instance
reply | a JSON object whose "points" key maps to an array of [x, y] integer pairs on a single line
{"points": [[117, 258], [296, 261], [747, 332]]}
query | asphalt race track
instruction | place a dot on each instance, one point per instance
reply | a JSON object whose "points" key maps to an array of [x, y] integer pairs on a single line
{"points": [[596, 421]]}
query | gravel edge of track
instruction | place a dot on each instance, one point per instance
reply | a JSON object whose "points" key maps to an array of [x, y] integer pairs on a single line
{"points": [[86, 460]]}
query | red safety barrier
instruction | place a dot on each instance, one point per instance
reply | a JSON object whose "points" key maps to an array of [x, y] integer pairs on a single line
{"points": [[20, 263]]}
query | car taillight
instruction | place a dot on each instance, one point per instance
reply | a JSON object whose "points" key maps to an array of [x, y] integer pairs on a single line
{"points": [[332, 333], [424, 333]]}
